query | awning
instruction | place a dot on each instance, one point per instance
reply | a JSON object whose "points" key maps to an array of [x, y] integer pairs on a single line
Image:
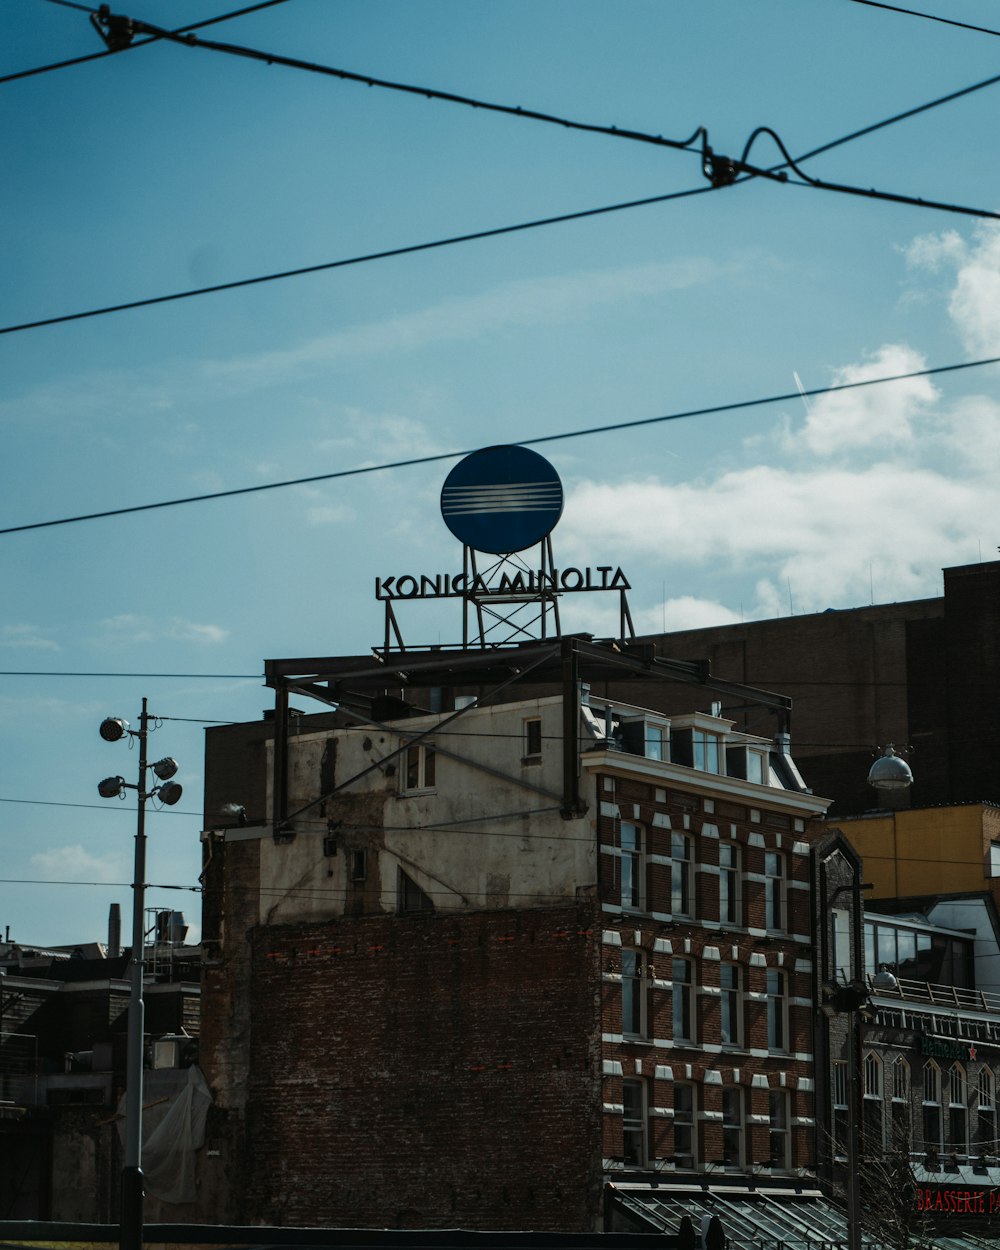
{"points": [[761, 1219]]}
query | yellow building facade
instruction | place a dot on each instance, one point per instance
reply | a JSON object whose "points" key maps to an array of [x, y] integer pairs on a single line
{"points": [[928, 850]]}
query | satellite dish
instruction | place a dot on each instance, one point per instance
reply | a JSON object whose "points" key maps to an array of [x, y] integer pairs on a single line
{"points": [[502, 499]]}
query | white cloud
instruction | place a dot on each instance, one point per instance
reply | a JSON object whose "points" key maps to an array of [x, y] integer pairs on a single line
{"points": [[531, 302], [74, 863], [878, 417], [974, 303], [26, 637], [128, 628]]}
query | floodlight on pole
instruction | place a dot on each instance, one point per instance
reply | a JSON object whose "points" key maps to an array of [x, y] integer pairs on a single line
{"points": [[113, 729]]}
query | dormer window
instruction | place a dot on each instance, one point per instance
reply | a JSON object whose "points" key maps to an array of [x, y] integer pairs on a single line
{"points": [[697, 748], [646, 735]]}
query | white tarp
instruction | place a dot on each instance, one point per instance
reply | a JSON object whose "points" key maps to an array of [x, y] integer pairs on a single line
{"points": [[169, 1144]]}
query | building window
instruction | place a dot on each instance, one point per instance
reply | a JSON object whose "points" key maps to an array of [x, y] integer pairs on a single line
{"points": [[958, 1111], [838, 1091], [533, 738], [633, 994], [758, 767], [359, 865], [632, 867], [986, 1116], [933, 1126], [841, 931], [683, 971], [657, 740], [707, 751], [779, 1138], [730, 894], [900, 1104], [681, 884], [731, 1005], [732, 1126], [634, 1123], [873, 1124], [410, 896], [777, 1011], [774, 891], [685, 1147], [420, 767]]}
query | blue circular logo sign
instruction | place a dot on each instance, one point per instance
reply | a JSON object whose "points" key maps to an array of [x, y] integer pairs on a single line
{"points": [[502, 499]]}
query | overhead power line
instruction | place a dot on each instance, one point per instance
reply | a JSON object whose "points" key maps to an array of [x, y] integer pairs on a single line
{"points": [[494, 232], [611, 427], [406, 249], [930, 17], [138, 43]]}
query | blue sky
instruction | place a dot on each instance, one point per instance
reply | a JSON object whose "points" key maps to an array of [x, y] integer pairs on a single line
{"points": [[167, 167]]}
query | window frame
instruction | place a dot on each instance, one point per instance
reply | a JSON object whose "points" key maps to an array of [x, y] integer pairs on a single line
{"points": [[777, 1010], [531, 739], [781, 1131], [731, 876], [420, 764], [686, 1151], [775, 893], [731, 1005], [635, 1128], [682, 899], [632, 881], [734, 1128], [633, 993], [683, 1005]]}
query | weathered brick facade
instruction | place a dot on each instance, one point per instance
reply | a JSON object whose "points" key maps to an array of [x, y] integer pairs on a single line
{"points": [[426, 1071]]}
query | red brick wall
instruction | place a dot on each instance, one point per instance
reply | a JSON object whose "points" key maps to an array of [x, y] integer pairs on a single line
{"points": [[427, 1071]]}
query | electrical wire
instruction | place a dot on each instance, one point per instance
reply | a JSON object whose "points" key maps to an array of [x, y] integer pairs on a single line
{"points": [[489, 233], [384, 254], [190, 40], [411, 462], [139, 43], [930, 17], [24, 672]]}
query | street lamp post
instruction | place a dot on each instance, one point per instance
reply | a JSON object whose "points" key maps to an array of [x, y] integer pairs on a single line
{"points": [[112, 730]]}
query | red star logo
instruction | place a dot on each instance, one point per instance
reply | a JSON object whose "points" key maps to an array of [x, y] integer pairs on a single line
{"points": [[972, 1052]]}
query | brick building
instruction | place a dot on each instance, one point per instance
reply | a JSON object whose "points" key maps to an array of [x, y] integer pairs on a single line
{"points": [[923, 674], [514, 962]]}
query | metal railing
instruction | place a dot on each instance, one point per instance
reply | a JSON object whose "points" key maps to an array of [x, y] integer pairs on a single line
{"points": [[939, 995]]}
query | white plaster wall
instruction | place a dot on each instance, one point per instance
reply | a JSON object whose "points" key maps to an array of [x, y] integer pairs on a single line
{"points": [[486, 836]]}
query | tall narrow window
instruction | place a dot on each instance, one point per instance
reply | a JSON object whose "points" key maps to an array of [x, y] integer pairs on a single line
{"points": [[420, 768], [900, 1105], [958, 1112], [873, 1124], [732, 1126], [683, 975], [632, 870], [634, 1123], [633, 994], [685, 1148], [730, 895], [774, 890], [779, 1139], [777, 1011], [933, 1126], [731, 1005], [533, 738], [841, 932], [838, 1094], [986, 1117], [681, 888]]}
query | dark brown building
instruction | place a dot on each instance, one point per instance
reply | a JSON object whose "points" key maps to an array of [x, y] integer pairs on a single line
{"points": [[923, 675]]}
